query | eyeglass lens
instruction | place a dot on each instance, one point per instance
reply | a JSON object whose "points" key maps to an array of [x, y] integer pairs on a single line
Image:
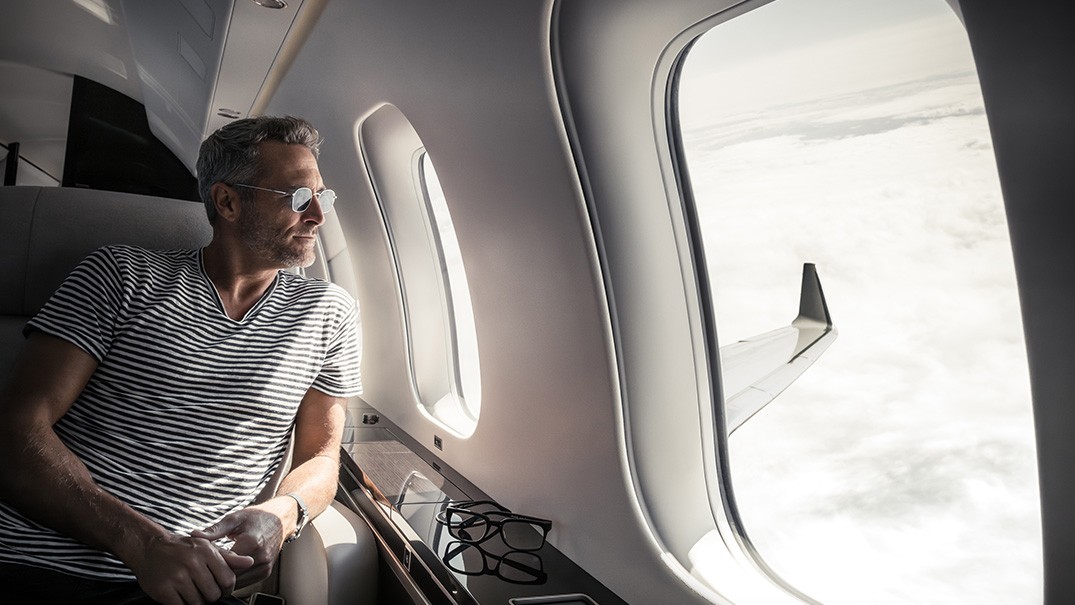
{"points": [[521, 535], [476, 527], [300, 199]]}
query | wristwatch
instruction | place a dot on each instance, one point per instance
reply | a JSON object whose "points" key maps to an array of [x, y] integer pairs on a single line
{"points": [[304, 516]]}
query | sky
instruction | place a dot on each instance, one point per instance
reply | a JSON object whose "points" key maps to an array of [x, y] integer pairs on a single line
{"points": [[850, 133]]}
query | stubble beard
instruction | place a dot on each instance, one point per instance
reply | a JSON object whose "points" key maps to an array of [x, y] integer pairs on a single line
{"points": [[272, 245]]}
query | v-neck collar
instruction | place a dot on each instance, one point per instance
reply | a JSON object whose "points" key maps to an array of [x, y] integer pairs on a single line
{"points": [[220, 301]]}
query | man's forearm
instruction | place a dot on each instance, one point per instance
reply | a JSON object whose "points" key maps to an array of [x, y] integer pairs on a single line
{"points": [[315, 481], [45, 481]]}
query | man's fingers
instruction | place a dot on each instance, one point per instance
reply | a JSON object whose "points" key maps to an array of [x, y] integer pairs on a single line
{"points": [[190, 594], [237, 562], [210, 587], [253, 575], [218, 530], [217, 576]]}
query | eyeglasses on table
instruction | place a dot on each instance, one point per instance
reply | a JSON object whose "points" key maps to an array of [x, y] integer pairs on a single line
{"points": [[475, 521]]}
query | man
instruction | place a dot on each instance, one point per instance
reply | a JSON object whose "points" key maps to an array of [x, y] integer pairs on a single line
{"points": [[158, 390]]}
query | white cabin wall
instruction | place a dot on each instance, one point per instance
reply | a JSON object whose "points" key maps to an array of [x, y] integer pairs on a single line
{"points": [[477, 86]]}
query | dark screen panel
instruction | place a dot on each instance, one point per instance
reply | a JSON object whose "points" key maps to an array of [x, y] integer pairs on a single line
{"points": [[110, 147]]}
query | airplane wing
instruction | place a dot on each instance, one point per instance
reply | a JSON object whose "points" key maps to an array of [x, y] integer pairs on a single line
{"points": [[754, 371]]}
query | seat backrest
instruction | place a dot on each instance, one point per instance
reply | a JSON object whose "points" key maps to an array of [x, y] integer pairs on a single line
{"points": [[46, 231]]}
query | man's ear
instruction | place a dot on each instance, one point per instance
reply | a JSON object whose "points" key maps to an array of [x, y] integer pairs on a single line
{"points": [[226, 201]]}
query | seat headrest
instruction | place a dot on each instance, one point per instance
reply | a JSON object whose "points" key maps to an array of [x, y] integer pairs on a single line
{"points": [[48, 230]]}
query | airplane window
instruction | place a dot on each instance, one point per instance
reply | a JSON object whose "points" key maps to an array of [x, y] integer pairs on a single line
{"points": [[440, 340], [459, 408], [900, 467]]}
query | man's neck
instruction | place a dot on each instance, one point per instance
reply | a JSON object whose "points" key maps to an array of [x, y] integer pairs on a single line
{"points": [[239, 282]]}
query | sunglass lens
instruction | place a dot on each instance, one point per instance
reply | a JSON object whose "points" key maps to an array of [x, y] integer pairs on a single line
{"points": [[300, 200], [327, 199]]}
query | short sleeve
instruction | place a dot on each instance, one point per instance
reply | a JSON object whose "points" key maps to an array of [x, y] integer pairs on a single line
{"points": [[84, 310], [341, 374]]}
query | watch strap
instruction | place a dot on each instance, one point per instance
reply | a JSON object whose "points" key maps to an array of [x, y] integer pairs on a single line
{"points": [[303, 518]]}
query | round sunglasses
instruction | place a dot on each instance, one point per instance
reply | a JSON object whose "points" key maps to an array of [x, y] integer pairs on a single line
{"points": [[300, 198]]}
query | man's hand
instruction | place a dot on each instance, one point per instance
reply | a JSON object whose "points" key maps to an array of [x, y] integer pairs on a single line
{"points": [[177, 570], [258, 534]]}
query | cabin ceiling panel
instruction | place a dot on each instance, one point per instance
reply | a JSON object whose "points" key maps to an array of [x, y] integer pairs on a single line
{"points": [[80, 37], [202, 65], [42, 44]]}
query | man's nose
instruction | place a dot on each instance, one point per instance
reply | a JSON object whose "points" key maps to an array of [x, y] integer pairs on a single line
{"points": [[313, 213]]}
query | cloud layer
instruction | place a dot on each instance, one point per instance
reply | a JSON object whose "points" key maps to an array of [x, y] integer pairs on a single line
{"points": [[900, 469]]}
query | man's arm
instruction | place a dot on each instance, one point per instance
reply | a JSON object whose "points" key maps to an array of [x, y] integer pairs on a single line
{"points": [[314, 474], [45, 481], [315, 466]]}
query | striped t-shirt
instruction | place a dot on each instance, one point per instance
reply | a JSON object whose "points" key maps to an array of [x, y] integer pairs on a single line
{"points": [[189, 411]]}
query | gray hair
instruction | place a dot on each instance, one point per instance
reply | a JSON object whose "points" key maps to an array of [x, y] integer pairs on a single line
{"points": [[232, 154]]}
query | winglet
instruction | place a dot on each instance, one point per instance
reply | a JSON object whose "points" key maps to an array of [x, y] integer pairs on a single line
{"points": [[814, 318], [813, 310], [756, 370]]}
